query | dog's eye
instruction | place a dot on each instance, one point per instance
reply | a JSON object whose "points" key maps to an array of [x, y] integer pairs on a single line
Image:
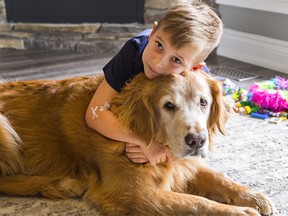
{"points": [[203, 102], [169, 106]]}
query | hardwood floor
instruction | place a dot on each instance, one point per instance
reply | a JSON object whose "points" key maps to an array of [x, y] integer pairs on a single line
{"points": [[19, 65]]}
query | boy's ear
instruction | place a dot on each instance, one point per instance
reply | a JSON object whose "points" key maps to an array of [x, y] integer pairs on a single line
{"points": [[153, 29]]}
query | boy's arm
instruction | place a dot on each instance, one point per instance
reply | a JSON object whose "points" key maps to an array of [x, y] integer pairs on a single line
{"points": [[104, 121], [108, 125]]}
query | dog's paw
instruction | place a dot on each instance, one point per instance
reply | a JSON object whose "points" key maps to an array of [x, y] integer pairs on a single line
{"points": [[256, 200], [231, 210], [244, 211], [72, 187]]}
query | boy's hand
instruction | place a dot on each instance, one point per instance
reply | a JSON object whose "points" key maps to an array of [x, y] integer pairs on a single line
{"points": [[135, 153], [154, 153]]}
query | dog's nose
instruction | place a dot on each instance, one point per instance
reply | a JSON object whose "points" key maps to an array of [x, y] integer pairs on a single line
{"points": [[195, 140]]}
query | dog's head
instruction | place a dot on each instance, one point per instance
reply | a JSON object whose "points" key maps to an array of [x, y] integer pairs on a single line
{"points": [[181, 111]]}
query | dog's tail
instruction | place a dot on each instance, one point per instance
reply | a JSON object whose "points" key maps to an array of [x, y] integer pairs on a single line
{"points": [[10, 158]]}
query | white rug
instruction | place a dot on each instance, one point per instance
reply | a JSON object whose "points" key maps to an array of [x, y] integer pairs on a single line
{"points": [[255, 153]]}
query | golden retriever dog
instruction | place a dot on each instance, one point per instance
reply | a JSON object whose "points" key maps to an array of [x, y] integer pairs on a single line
{"points": [[47, 149]]}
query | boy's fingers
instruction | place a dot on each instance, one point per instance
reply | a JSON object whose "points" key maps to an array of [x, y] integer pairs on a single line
{"points": [[135, 155], [158, 160], [152, 163], [136, 158], [131, 145], [170, 156], [139, 160], [133, 149], [163, 158]]}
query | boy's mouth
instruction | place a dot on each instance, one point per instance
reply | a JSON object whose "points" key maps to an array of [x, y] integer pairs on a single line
{"points": [[152, 70]]}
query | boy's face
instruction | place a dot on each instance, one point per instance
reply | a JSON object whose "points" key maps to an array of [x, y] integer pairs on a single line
{"points": [[160, 58]]}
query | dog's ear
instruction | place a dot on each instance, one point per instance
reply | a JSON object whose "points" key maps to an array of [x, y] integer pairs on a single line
{"points": [[134, 108], [220, 109]]}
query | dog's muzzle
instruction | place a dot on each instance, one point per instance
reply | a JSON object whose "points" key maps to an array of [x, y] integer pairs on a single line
{"points": [[195, 142]]}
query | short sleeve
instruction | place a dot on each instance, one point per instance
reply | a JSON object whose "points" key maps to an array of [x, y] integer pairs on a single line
{"points": [[121, 67]]}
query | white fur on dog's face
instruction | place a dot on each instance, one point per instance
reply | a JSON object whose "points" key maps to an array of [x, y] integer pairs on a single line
{"points": [[185, 110]]}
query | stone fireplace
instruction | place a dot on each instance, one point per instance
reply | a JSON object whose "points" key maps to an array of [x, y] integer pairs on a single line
{"points": [[82, 37]]}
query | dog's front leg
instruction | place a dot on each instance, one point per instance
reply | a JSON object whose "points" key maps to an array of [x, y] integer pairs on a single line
{"points": [[167, 203], [149, 201], [216, 186]]}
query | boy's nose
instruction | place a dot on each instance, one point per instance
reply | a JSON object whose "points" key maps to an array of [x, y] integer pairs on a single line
{"points": [[159, 62]]}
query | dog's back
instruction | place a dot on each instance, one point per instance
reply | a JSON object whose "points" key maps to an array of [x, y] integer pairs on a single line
{"points": [[34, 119]]}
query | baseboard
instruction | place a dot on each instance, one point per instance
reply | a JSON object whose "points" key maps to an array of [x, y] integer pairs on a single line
{"points": [[254, 49]]}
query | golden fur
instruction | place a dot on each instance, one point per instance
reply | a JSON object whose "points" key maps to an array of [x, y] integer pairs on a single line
{"points": [[46, 147]]}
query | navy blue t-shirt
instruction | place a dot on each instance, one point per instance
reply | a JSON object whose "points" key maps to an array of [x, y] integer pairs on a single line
{"points": [[128, 62]]}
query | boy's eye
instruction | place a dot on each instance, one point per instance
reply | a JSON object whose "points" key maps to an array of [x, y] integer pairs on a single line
{"points": [[159, 45], [176, 60]]}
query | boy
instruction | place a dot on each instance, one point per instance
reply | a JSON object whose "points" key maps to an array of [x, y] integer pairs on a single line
{"points": [[182, 40]]}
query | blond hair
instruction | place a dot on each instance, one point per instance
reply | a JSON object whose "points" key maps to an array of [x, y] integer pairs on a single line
{"points": [[192, 22]]}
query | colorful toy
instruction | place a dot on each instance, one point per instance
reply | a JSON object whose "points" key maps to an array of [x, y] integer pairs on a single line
{"points": [[228, 87], [275, 120], [259, 115], [245, 107], [248, 109], [271, 94], [240, 95], [264, 100], [273, 114]]}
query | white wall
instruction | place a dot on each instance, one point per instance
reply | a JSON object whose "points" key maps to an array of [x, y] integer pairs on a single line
{"points": [[256, 32], [276, 6]]}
